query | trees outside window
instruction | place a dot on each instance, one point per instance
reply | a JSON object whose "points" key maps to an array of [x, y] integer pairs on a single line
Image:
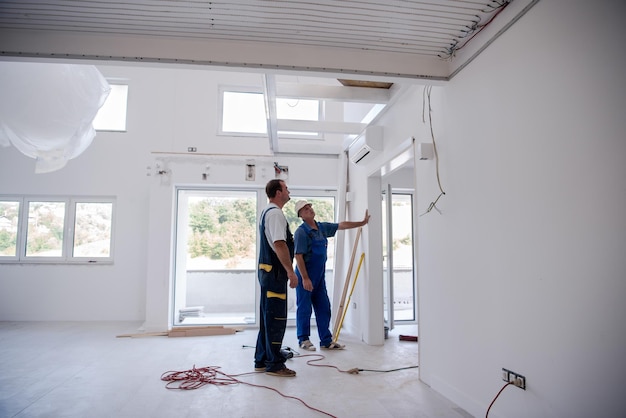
{"points": [[59, 230]]}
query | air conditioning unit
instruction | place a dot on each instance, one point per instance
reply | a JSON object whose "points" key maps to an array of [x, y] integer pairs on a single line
{"points": [[366, 145]]}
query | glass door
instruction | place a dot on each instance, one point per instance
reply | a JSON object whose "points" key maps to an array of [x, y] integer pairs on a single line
{"points": [[398, 257], [387, 211], [215, 257]]}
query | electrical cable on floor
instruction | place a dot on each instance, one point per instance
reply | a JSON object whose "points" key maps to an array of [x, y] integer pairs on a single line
{"points": [[354, 370], [494, 399], [290, 353], [197, 377], [390, 370]]}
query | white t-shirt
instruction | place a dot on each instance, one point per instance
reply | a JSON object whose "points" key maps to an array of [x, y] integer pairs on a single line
{"points": [[275, 225]]}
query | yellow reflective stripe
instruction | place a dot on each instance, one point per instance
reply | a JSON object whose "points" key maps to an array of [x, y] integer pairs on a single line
{"points": [[271, 294], [266, 267]]}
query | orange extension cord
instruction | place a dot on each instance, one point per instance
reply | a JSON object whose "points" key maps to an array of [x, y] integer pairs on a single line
{"points": [[197, 377]]}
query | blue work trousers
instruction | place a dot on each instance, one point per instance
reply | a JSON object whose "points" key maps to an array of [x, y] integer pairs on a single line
{"points": [[317, 301], [272, 321]]}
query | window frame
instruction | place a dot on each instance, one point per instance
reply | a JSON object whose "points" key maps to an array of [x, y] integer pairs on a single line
{"points": [[69, 222], [18, 238], [220, 106], [222, 89]]}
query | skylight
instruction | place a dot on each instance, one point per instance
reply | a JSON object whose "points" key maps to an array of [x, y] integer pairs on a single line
{"points": [[244, 113]]}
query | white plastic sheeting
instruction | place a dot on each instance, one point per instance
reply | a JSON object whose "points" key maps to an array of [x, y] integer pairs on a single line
{"points": [[47, 110]]}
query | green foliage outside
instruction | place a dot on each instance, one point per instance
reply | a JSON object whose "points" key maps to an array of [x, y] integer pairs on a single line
{"points": [[7, 242], [398, 242], [46, 226], [222, 229], [226, 228], [93, 223], [8, 216], [324, 211]]}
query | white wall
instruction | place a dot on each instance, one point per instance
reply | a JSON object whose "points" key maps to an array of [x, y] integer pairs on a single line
{"points": [[111, 167], [526, 268], [168, 110]]}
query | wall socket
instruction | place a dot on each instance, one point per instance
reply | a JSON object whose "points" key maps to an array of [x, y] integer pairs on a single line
{"points": [[514, 378]]}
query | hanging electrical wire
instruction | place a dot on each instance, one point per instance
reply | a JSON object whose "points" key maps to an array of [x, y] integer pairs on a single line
{"points": [[425, 101], [496, 397], [475, 29]]}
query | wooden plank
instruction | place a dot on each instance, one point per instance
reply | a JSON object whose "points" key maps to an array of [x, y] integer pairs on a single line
{"points": [[196, 331], [201, 332], [144, 334], [336, 335], [346, 285], [184, 327]]}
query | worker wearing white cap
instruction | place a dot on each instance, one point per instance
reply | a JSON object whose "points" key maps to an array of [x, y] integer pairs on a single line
{"points": [[311, 252]]}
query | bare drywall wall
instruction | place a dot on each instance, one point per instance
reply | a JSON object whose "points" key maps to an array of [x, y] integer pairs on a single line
{"points": [[525, 268]]}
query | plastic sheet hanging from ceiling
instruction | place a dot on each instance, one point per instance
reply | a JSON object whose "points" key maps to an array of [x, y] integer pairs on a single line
{"points": [[47, 110]]}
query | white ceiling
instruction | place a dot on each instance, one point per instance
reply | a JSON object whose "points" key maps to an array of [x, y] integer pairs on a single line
{"points": [[398, 38], [429, 28], [397, 41]]}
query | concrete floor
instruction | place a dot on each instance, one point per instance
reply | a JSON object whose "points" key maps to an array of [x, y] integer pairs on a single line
{"points": [[80, 369]]}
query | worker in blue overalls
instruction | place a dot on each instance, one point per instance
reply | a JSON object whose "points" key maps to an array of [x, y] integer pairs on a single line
{"points": [[275, 269], [311, 295]]}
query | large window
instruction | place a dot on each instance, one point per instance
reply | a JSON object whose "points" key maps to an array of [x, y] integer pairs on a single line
{"points": [[59, 229], [243, 113]]}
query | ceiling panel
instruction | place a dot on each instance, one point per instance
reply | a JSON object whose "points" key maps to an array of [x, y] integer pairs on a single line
{"points": [[428, 28], [378, 37]]}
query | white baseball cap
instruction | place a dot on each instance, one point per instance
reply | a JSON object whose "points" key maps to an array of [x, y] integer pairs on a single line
{"points": [[299, 205]]}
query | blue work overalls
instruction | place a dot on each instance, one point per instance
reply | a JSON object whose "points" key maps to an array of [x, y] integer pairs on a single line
{"points": [[273, 307], [317, 300]]}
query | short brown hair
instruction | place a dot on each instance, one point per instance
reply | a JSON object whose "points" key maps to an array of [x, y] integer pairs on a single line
{"points": [[273, 186]]}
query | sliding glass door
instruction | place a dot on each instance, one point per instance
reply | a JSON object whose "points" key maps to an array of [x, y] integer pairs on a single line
{"points": [[398, 260], [215, 276], [215, 257]]}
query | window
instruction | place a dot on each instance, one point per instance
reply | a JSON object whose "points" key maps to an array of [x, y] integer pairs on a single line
{"points": [[60, 229], [243, 113], [112, 114], [298, 109]]}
